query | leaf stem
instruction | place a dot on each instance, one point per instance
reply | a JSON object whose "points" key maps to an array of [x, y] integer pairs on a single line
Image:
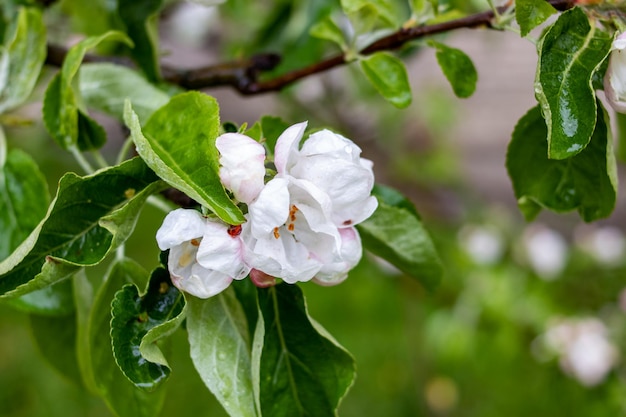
{"points": [[82, 161], [121, 156], [97, 156]]}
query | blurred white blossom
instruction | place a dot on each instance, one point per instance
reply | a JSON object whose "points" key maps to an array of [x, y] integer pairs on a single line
{"points": [[546, 251], [583, 347], [484, 244], [605, 244]]}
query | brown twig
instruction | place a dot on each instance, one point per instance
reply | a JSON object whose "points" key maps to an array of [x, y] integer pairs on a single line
{"points": [[244, 75]]}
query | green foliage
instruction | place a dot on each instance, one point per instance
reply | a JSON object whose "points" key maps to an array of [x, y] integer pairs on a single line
{"points": [[21, 58], [586, 182], [531, 13], [138, 322], [267, 130], [458, 69], [72, 235], [327, 29], [67, 122], [182, 151], [302, 370], [388, 75], [221, 351], [570, 52]]}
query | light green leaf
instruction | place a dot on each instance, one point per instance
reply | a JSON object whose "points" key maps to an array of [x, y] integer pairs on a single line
{"points": [[327, 29], [388, 75], [220, 350], [301, 370], [55, 300], [586, 182], [531, 13], [140, 18], [71, 236], [105, 87], [68, 124], [155, 314], [21, 58], [178, 143], [121, 395], [397, 235], [424, 10], [458, 69], [23, 198], [366, 15], [569, 53]]}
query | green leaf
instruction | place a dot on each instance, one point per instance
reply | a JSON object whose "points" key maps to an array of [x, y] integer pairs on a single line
{"points": [[68, 124], [105, 87], [121, 395], [424, 10], [156, 313], [327, 29], [388, 75], [571, 50], [22, 58], [71, 235], [586, 182], [301, 370], [140, 18], [531, 13], [458, 69], [397, 235], [178, 143], [395, 198], [621, 136], [220, 350], [55, 300], [23, 198], [368, 14], [267, 130]]}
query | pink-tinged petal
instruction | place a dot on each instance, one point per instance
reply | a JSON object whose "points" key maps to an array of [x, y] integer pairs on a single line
{"points": [[271, 208], [261, 279], [242, 165], [188, 276], [335, 272], [222, 252], [179, 226], [287, 147]]}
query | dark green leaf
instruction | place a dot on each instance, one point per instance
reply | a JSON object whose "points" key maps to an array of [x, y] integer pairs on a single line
{"points": [[105, 87], [178, 143], [458, 69], [267, 130], [220, 350], [23, 56], [395, 198], [388, 75], [587, 181], [134, 318], [621, 136], [569, 54], [397, 235], [531, 13], [61, 113], [121, 395], [140, 18], [300, 368], [55, 300], [23, 198], [71, 235]]}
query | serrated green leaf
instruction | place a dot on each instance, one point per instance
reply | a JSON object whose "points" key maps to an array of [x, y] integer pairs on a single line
{"points": [[458, 69], [220, 350], [140, 18], [105, 87], [328, 30], [22, 58], [70, 236], [586, 182], [570, 52], [23, 198], [397, 235], [178, 143], [531, 13], [121, 395], [301, 370], [66, 122], [158, 311], [388, 75]]}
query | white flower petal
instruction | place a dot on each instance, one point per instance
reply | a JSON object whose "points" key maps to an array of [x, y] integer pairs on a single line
{"points": [[179, 226], [242, 169], [219, 251], [271, 208], [287, 147]]}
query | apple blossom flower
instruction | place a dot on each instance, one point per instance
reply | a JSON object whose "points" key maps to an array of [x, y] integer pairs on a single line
{"points": [[205, 254], [615, 77], [242, 165]]}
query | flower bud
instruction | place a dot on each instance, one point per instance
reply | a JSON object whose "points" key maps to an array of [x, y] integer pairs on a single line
{"points": [[615, 77]]}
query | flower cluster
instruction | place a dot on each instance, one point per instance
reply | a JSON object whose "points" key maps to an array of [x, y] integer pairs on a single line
{"points": [[299, 225]]}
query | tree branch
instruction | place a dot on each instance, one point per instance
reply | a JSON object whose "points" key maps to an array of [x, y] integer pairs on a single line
{"points": [[243, 75]]}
